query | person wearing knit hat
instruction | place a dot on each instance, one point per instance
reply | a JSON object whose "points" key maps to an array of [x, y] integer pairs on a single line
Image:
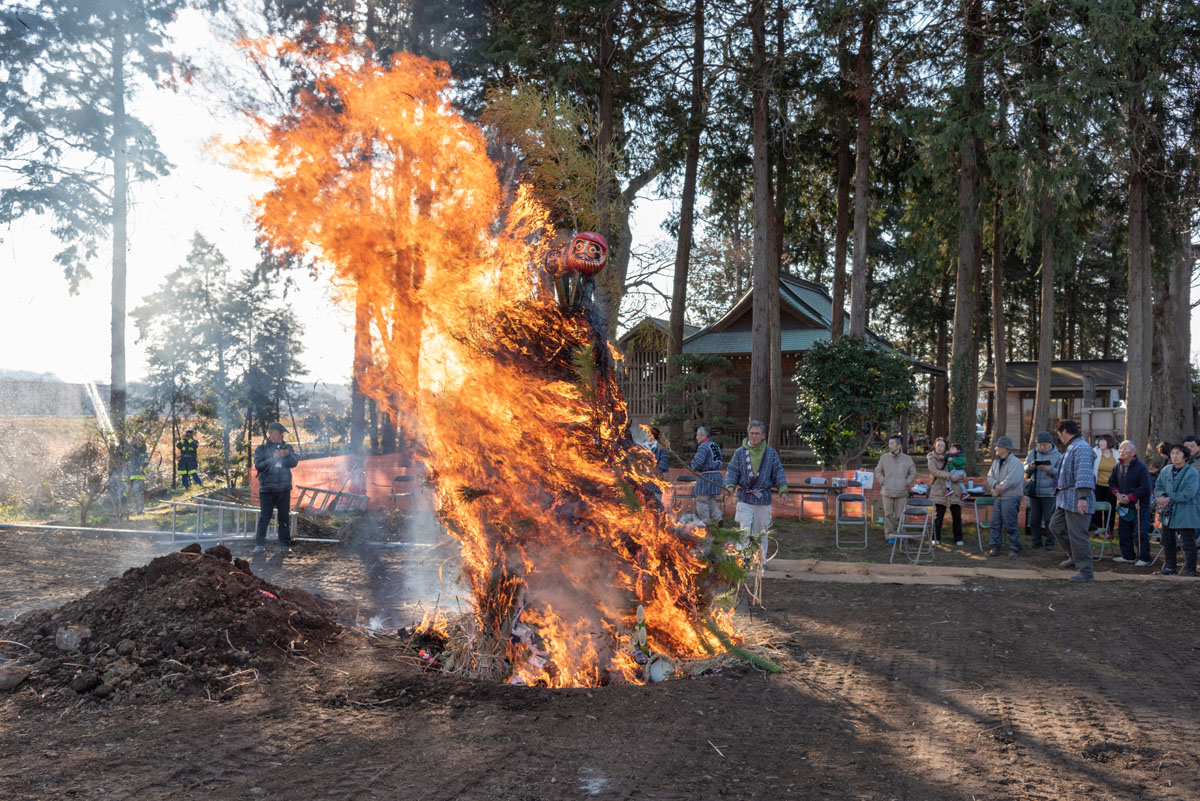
{"points": [[1004, 479]]}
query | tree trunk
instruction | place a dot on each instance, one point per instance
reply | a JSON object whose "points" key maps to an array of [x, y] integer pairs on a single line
{"points": [[760, 355], [1138, 383], [964, 378], [174, 439], [941, 389], [1045, 355], [862, 175], [120, 245], [373, 424], [683, 248], [362, 363], [842, 224], [775, 254], [1176, 338], [611, 287], [999, 347]]}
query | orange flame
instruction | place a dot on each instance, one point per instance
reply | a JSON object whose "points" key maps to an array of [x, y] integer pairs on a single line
{"points": [[513, 400]]}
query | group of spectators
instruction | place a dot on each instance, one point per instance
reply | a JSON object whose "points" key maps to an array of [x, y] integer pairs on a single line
{"points": [[1061, 490]]}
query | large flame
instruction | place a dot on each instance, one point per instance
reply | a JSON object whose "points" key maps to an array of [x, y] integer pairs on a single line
{"points": [[513, 400]]}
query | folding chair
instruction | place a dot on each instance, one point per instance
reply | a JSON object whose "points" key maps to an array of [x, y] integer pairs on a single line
{"points": [[683, 489], [1102, 531], [809, 492], [401, 497], [850, 508], [916, 525], [983, 518]]}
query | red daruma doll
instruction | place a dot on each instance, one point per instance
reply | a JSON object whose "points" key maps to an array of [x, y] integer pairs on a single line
{"points": [[585, 256]]}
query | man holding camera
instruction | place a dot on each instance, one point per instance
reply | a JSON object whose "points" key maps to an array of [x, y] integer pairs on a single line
{"points": [[274, 460]]}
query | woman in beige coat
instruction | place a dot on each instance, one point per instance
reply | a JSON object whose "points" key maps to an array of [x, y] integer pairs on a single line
{"points": [[939, 475]]}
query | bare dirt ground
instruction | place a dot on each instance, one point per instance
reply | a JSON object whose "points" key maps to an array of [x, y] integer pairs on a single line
{"points": [[995, 688]]}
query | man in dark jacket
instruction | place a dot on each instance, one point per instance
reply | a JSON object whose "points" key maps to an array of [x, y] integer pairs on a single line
{"points": [[1130, 483], [188, 465], [274, 460]]}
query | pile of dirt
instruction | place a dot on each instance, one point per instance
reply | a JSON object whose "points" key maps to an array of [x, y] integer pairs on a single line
{"points": [[188, 621]]}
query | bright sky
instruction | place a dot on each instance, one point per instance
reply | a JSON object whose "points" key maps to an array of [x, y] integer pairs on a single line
{"points": [[45, 329]]}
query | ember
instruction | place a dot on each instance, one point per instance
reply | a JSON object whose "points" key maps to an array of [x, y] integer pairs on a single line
{"points": [[513, 396]]}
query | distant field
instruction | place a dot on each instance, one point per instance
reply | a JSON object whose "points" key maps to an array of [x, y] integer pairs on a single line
{"points": [[56, 435]]}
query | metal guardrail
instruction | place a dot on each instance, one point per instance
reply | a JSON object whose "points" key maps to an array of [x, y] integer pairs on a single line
{"points": [[208, 511]]}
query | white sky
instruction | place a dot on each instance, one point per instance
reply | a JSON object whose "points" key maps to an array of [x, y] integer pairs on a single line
{"points": [[45, 329]]}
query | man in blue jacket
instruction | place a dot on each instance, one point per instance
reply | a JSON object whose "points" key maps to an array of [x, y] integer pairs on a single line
{"points": [[1075, 501], [706, 464], [1131, 486], [274, 460], [754, 470]]}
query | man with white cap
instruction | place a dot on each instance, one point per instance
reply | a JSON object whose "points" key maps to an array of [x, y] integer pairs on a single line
{"points": [[274, 460]]}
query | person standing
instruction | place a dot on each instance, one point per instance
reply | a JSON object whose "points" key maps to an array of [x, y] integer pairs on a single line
{"points": [[754, 470], [1074, 502], [136, 464], [706, 464], [895, 473], [661, 450], [1131, 487], [939, 481], [1005, 480], [274, 460], [187, 468], [1177, 494], [1106, 462], [1041, 471]]}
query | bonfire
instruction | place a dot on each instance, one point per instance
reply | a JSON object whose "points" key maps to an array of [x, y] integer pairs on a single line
{"points": [[579, 577]]}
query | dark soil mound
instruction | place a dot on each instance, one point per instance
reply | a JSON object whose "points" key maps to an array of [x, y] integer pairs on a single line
{"points": [[186, 621]]}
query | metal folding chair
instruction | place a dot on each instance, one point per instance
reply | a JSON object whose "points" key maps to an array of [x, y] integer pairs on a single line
{"points": [[809, 492], [1102, 531], [916, 526], [850, 509], [401, 497], [983, 518], [683, 489]]}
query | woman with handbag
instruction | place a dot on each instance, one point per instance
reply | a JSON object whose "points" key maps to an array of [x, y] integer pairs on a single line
{"points": [[1177, 494]]}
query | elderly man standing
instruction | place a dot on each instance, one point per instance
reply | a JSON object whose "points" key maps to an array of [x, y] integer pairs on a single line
{"points": [[1006, 480], [706, 464], [1075, 501], [895, 473], [754, 470], [1131, 486]]}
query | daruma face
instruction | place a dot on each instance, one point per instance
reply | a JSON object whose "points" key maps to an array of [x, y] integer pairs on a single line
{"points": [[588, 253]]}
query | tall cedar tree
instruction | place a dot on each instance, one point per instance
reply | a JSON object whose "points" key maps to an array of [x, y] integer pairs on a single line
{"points": [[70, 145]]}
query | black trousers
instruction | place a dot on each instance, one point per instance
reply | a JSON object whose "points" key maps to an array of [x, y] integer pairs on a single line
{"points": [[955, 516], [268, 501], [1187, 538]]}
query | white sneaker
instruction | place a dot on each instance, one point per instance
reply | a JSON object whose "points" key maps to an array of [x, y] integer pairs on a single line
{"points": [[1141, 563], [959, 543], [1122, 560]]}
